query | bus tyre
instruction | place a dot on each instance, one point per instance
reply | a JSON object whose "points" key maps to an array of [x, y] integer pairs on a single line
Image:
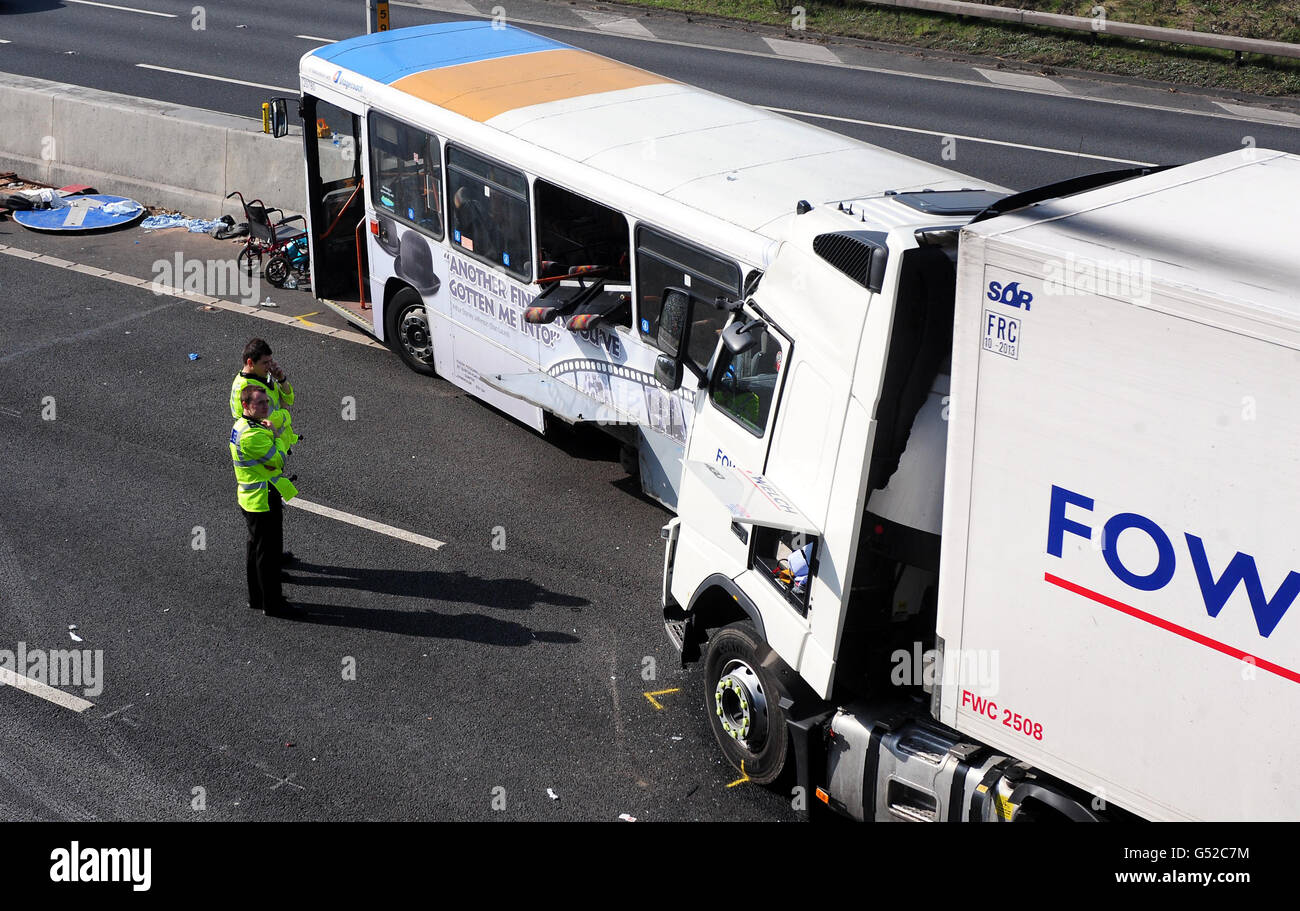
{"points": [[743, 701], [408, 332]]}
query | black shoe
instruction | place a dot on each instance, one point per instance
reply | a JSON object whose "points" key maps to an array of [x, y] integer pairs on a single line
{"points": [[286, 609], [287, 557]]}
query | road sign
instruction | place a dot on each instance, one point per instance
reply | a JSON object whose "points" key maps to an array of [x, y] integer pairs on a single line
{"points": [[82, 213]]}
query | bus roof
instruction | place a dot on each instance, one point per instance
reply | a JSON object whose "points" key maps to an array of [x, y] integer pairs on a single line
{"points": [[743, 164]]}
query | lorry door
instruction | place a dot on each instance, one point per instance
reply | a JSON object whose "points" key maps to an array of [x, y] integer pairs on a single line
{"points": [[733, 423], [732, 428]]}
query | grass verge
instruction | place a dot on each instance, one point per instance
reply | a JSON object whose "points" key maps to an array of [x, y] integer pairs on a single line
{"points": [[1046, 49]]}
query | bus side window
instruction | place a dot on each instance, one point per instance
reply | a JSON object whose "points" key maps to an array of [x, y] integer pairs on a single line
{"points": [[663, 261], [406, 173], [575, 231], [489, 211]]}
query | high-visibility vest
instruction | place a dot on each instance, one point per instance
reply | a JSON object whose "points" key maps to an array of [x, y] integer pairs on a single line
{"points": [[259, 463], [281, 396]]}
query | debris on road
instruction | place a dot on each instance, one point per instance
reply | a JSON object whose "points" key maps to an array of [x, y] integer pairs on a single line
{"points": [[551, 794]]}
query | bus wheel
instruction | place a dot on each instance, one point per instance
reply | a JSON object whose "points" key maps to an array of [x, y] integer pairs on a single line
{"points": [[408, 333], [743, 702]]}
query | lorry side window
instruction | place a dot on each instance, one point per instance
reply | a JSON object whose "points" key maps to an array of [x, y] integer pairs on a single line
{"points": [[406, 173], [488, 216], [663, 261], [743, 386]]}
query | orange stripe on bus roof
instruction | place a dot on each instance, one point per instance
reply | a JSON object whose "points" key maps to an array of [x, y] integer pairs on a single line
{"points": [[486, 88]]}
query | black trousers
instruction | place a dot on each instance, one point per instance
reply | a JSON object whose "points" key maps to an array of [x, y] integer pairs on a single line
{"points": [[265, 544]]}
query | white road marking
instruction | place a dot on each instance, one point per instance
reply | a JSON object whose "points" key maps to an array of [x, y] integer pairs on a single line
{"points": [[129, 9], [619, 25], [370, 524], [1286, 118], [456, 6], [802, 50], [445, 5], [345, 334], [48, 693], [318, 38], [256, 85], [996, 142], [1021, 80]]}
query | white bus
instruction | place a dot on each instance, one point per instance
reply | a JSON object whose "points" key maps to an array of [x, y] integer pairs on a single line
{"points": [[507, 211]]}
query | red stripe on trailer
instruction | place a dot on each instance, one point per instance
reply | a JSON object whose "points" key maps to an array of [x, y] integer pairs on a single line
{"points": [[1174, 628]]}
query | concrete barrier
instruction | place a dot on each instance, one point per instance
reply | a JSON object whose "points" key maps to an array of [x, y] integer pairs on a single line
{"points": [[158, 153]]}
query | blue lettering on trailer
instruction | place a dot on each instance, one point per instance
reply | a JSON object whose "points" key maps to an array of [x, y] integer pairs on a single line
{"points": [[1009, 294], [1240, 571]]}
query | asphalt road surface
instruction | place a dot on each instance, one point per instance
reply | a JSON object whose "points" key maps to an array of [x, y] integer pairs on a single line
{"points": [[459, 683], [468, 681]]}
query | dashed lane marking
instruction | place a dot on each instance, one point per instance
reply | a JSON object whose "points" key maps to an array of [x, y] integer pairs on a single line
{"points": [[614, 24], [1021, 80], [1286, 118], [996, 142], [125, 9], [256, 85], [48, 693], [802, 50], [369, 524]]}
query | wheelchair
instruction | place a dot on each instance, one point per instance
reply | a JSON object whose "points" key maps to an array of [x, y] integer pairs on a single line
{"points": [[279, 249]]}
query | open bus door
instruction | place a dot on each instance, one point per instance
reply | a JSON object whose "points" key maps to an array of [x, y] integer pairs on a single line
{"points": [[336, 204]]}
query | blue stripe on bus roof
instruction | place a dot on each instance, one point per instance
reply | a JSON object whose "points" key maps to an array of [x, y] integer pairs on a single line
{"points": [[388, 56]]}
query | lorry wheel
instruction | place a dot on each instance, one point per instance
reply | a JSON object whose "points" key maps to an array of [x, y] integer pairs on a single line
{"points": [[743, 703], [408, 333]]}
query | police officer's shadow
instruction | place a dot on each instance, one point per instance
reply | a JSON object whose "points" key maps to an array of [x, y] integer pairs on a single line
{"points": [[457, 586]]}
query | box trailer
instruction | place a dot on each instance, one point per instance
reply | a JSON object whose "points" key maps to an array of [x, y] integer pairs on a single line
{"points": [[1023, 541]]}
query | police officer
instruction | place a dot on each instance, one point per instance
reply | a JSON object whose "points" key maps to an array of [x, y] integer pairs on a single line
{"points": [[261, 484], [263, 372]]}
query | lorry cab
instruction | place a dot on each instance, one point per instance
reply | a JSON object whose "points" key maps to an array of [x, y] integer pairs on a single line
{"points": [[829, 387]]}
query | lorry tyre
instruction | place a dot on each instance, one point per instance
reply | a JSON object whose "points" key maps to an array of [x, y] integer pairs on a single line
{"points": [[743, 702], [406, 326]]}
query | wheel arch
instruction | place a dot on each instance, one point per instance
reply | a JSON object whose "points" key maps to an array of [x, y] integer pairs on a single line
{"points": [[392, 287], [718, 601]]}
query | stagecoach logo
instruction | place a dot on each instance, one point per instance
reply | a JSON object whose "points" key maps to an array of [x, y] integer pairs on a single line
{"points": [[344, 83]]}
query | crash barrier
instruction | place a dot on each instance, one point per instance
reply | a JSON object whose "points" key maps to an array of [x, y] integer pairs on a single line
{"points": [[158, 153], [1098, 23]]}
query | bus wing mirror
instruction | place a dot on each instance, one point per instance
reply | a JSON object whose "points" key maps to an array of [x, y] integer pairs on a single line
{"points": [[279, 117], [668, 372], [674, 321], [740, 337]]}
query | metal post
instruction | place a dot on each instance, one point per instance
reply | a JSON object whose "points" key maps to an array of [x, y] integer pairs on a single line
{"points": [[376, 16]]}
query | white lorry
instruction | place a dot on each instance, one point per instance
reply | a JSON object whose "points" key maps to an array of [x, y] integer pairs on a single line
{"points": [[1090, 399]]}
